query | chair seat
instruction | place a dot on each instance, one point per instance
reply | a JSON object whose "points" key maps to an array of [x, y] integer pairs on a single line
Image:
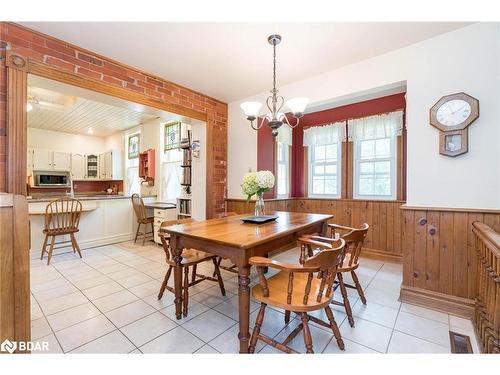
{"points": [[60, 231], [192, 256], [278, 291], [147, 220]]}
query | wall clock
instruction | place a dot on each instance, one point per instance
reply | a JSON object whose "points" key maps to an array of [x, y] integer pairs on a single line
{"points": [[451, 115]]}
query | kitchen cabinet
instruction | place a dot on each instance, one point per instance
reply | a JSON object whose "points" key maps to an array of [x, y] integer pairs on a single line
{"points": [[47, 160], [92, 167], [110, 165], [78, 166], [61, 161], [42, 159]]}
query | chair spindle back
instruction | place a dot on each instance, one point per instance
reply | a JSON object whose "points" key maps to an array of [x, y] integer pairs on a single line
{"points": [[63, 214], [325, 263], [165, 237], [354, 242], [139, 208]]}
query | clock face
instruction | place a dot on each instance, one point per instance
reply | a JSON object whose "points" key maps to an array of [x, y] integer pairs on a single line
{"points": [[453, 112]]}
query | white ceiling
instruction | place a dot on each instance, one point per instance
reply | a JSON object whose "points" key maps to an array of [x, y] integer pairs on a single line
{"points": [[58, 109], [231, 61]]}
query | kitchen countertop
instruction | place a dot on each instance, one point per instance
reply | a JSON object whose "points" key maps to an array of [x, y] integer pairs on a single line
{"points": [[160, 205], [85, 197]]}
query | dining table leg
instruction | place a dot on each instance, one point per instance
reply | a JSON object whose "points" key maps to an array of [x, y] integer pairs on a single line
{"points": [[177, 258], [244, 306]]}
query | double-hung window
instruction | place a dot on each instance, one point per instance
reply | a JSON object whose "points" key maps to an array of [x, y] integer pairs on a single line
{"points": [[324, 153], [374, 142], [283, 143]]}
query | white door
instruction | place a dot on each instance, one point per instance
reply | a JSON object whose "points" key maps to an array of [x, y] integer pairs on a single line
{"points": [[61, 161], [42, 160], [77, 166]]}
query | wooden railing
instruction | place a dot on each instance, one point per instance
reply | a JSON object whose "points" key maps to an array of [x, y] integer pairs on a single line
{"points": [[487, 307]]}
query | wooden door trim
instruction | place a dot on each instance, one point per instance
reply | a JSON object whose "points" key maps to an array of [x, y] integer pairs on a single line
{"points": [[18, 68]]}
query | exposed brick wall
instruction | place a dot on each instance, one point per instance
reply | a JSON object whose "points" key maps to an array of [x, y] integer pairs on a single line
{"points": [[67, 57]]}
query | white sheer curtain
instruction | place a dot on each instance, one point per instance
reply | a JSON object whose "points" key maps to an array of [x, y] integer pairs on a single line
{"points": [[171, 175], [133, 181], [324, 135], [285, 135], [386, 125]]}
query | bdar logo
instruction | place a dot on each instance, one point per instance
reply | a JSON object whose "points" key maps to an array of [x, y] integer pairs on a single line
{"points": [[8, 346]]}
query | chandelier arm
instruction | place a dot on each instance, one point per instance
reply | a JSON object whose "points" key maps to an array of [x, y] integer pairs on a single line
{"points": [[268, 106], [257, 127], [290, 125], [282, 103]]}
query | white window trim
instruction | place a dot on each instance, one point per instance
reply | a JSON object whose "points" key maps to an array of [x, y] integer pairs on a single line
{"points": [[288, 174], [393, 159], [339, 173]]}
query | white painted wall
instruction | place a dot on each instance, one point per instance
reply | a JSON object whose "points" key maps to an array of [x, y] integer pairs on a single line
{"points": [[463, 60], [65, 142]]}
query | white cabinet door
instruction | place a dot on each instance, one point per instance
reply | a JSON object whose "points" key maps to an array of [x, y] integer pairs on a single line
{"points": [[61, 161], [102, 167], [108, 162], [77, 166], [42, 160]]}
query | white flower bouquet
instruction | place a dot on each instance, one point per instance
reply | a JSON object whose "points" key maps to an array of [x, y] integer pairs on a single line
{"points": [[257, 183]]}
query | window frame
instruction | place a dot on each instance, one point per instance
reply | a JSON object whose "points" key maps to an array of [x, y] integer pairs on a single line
{"points": [[165, 132], [288, 166], [310, 172], [129, 138], [393, 159]]}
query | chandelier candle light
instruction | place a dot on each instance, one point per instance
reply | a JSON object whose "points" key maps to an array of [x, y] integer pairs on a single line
{"points": [[257, 183], [275, 118]]}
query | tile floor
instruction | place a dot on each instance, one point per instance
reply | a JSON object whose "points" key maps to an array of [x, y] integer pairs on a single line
{"points": [[106, 303]]}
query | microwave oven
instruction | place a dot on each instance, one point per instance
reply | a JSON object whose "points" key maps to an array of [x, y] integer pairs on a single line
{"points": [[51, 179]]}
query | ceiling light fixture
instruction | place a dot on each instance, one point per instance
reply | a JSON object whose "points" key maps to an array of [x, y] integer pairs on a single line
{"points": [[29, 107], [274, 103], [90, 131]]}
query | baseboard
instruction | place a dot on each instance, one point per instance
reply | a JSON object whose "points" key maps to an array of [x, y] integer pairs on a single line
{"points": [[446, 303], [381, 255]]}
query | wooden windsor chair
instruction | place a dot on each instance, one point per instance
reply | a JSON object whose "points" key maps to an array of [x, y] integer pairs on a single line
{"points": [[142, 218], [354, 238], [190, 258], [62, 217], [295, 288]]}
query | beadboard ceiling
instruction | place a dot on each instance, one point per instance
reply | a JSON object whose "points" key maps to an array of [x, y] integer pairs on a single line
{"points": [[232, 61], [64, 112]]}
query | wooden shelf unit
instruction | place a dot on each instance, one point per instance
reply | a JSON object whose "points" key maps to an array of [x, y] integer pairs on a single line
{"points": [[184, 204]]}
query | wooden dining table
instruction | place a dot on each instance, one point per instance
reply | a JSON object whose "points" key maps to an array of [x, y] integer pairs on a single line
{"points": [[231, 238]]}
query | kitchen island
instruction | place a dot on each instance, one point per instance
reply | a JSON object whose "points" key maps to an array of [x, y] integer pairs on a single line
{"points": [[105, 219]]}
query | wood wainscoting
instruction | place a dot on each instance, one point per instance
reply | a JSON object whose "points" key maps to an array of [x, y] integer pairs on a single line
{"points": [[439, 258], [15, 322], [385, 219]]}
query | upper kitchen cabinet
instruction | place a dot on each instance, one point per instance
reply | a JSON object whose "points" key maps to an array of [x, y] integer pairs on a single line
{"points": [[92, 166], [110, 165], [78, 166], [46, 160], [61, 161]]}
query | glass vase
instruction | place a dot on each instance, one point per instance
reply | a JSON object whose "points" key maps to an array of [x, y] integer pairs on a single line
{"points": [[259, 205]]}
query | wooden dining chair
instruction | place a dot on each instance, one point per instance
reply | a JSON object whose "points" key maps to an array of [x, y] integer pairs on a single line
{"points": [[295, 288], [354, 238], [190, 258], [62, 217], [142, 218]]}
